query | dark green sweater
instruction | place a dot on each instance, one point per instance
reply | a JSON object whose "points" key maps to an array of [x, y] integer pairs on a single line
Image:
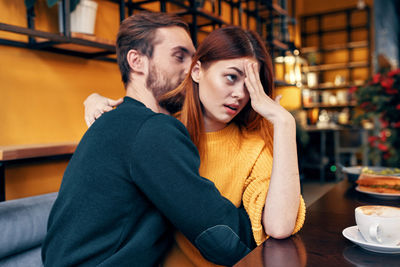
{"points": [[133, 177]]}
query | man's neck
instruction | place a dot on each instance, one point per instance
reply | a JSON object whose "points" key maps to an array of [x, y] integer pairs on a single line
{"points": [[142, 94]]}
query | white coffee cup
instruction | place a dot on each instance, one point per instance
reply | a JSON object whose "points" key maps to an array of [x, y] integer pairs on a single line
{"points": [[379, 224]]}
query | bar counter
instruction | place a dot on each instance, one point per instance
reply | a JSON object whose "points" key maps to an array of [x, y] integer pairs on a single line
{"points": [[320, 242]]}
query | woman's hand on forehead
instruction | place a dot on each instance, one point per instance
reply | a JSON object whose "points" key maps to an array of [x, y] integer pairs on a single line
{"points": [[264, 105]]}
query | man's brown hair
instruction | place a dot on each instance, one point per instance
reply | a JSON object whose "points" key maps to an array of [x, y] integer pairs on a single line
{"points": [[139, 32]]}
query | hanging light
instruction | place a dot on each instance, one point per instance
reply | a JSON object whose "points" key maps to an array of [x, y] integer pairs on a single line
{"points": [[361, 4], [289, 67]]}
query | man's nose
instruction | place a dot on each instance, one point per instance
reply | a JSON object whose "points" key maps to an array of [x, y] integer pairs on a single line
{"points": [[187, 67]]}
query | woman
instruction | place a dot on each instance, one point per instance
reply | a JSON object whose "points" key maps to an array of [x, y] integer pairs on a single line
{"points": [[246, 139]]}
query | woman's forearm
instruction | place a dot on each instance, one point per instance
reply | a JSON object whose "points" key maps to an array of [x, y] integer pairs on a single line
{"points": [[283, 198]]}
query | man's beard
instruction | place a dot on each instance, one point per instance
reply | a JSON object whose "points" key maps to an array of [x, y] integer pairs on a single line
{"points": [[159, 83]]}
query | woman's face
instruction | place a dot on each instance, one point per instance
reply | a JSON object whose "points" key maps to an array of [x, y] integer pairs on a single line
{"points": [[222, 91]]}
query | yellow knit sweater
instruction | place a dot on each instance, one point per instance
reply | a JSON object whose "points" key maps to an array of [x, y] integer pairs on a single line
{"points": [[240, 164]]}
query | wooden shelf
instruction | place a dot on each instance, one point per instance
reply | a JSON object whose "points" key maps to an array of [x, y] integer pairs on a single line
{"points": [[265, 8], [332, 86], [333, 12], [204, 17], [275, 8], [8, 153], [278, 44], [338, 66], [278, 9], [91, 48], [28, 153], [93, 38], [357, 27], [283, 83], [335, 47], [329, 106]]}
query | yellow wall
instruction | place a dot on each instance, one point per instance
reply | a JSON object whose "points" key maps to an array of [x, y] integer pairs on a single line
{"points": [[291, 97], [42, 93]]}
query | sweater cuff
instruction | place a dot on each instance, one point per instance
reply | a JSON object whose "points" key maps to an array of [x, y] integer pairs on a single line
{"points": [[301, 216], [259, 235], [254, 201]]}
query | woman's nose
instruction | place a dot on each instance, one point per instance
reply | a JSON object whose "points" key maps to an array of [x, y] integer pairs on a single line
{"points": [[239, 92]]}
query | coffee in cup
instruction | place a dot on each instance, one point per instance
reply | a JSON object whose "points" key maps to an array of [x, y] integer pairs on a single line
{"points": [[379, 224]]}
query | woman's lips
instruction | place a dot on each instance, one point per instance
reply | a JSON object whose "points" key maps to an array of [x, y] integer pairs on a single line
{"points": [[231, 109]]}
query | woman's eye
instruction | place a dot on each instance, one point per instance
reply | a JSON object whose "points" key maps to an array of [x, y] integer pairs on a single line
{"points": [[231, 77]]}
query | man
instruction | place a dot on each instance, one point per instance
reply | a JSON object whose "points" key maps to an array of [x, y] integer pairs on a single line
{"points": [[134, 175], [168, 68]]}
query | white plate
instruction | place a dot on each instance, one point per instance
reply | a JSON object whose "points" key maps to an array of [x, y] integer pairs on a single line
{"points": [[378, 195], [352, 234], [352, 173], [357, 170]]}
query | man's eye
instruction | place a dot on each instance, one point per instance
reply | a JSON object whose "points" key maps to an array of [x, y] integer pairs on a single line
{"points": [[179, 57], [231, 77]]}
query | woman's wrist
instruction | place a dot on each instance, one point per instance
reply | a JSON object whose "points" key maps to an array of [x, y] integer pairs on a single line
{"points": [[284, 119]]}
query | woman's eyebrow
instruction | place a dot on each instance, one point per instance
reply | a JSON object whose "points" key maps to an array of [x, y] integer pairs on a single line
{"points": [[238, 70]]}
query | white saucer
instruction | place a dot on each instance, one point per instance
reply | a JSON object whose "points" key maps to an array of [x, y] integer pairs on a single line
{"points": [[352, 234], [379, 195]]}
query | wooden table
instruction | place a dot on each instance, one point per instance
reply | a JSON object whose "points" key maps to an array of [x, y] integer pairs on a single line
{"points": [[30, 153], [320, 242]]}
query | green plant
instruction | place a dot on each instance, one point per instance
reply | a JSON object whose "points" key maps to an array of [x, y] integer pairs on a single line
{"points": [[379, 101], [51, 3]]}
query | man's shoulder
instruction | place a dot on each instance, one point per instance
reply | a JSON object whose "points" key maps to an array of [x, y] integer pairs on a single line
{"points": [[131, 109], [162, 124], [163, 132], [135, 110]]}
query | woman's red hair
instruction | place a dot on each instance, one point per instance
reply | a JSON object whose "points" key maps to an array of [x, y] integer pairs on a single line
{"points": [[222, 44]]}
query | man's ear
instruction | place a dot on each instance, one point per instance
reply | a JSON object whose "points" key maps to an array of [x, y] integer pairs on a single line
{"points": [[137, 61], [196, 72]]}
